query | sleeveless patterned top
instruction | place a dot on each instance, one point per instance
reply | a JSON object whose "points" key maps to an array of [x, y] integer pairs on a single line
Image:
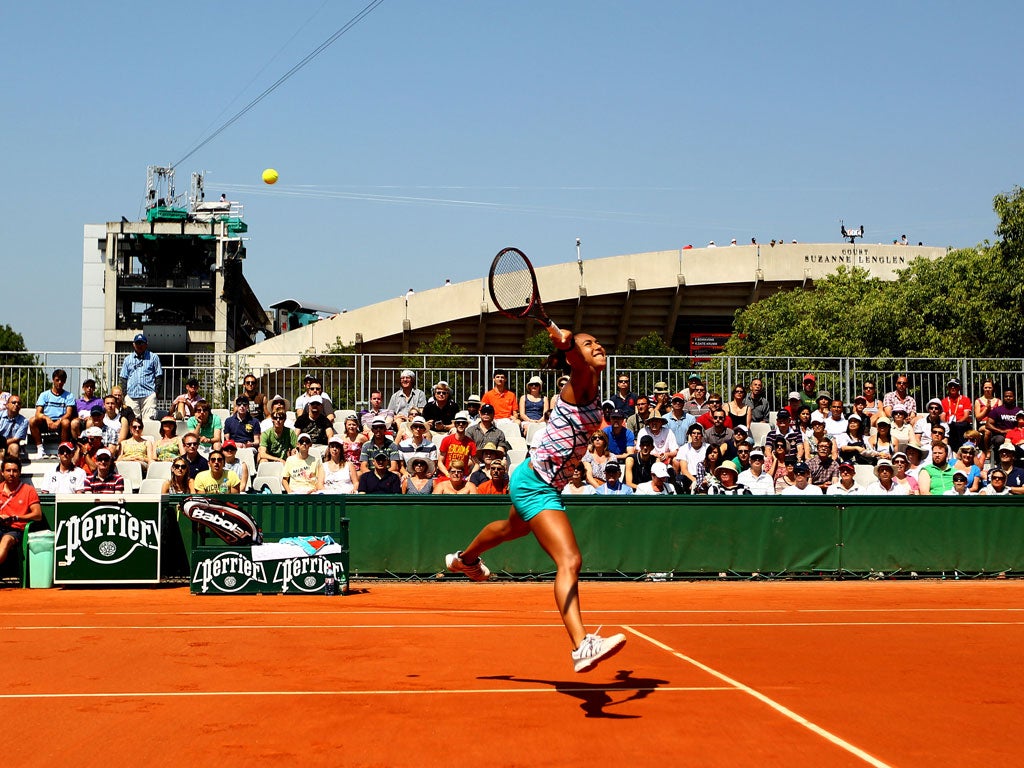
{"points": [[564, 441]]}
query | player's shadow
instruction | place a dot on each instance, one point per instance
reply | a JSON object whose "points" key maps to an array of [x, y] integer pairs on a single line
{"points": [[597, 696]]}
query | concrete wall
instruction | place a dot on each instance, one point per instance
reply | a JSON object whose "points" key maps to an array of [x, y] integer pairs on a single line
{"points": [[729, 265]]}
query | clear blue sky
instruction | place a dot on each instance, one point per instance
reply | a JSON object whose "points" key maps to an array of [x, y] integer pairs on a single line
{"points": [[434, 133]]}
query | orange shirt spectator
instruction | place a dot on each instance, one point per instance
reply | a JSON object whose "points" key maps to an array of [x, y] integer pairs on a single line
{"points": [[504, 400]]}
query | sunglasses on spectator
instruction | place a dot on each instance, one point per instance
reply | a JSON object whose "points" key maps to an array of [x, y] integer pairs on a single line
{"points": [[65, 452], [179, 466], [229, 448], [277, 417], [103, 458], [216, 461], [193, 444]]}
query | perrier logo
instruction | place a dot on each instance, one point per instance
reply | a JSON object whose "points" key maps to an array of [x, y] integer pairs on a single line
{"points": [[105, 534]]}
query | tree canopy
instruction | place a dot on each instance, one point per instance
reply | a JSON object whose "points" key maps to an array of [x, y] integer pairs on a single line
{"points": [[969, 303]]}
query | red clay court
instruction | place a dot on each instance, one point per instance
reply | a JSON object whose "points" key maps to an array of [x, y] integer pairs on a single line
{"points": [[910, 673]]}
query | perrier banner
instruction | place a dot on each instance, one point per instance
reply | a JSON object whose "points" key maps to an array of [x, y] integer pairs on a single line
{"points": [[106, 540]]}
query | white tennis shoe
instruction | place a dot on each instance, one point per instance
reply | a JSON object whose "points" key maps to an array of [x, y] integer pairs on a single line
{"points": [[477, 571], [595, 648]]}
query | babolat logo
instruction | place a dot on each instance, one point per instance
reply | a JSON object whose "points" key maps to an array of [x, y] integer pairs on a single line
{"points": [[228, 572], [105, 534], [305, 574]]}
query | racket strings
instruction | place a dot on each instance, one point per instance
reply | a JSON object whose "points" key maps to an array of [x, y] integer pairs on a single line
{"points": [[512, 283]]}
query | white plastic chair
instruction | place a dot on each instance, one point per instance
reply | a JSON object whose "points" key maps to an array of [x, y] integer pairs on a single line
{"points": [[151, 485], [131, 471], [159, 470]]}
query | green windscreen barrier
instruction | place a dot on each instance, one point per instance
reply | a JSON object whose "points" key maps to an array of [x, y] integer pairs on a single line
{"points": [[616, 536], [409, 536]]}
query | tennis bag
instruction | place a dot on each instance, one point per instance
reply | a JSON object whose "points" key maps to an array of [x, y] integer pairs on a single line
{"points": [[234, 525]]}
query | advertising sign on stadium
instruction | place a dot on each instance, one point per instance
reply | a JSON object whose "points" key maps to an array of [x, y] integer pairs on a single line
{"points": [[704, 345], [106, 540]]}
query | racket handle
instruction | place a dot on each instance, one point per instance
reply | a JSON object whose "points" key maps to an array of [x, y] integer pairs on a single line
{"points": [[553, 327]]}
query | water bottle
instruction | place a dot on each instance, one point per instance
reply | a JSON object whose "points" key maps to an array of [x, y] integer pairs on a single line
{"points": [[330, 582]]}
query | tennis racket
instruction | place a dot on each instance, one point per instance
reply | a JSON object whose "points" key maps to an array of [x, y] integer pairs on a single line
{"points": [[513, 287]]}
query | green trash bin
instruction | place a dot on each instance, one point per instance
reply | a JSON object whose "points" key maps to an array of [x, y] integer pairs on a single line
{"points": [[40, 559]]}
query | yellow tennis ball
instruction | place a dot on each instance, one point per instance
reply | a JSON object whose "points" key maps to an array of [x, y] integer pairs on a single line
{"points": [[270, 176]]}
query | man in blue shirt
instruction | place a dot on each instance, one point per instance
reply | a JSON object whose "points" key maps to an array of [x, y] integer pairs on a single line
{"points": [[13, 426], [55, 409], [141, 376], [621, 440], [613, 485]]}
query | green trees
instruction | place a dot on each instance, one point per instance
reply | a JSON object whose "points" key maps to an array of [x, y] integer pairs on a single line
{"points": [[969, 303]]}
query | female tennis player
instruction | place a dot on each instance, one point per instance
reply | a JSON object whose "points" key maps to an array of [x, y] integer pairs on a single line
{"points": [[535, 485]]}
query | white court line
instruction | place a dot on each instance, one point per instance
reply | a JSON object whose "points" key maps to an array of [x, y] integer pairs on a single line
{"points": [[447, 625], [431, 692], [799, 719], [502, 611]]}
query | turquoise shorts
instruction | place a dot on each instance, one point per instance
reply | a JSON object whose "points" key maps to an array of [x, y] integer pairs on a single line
{"points": [[531, 495]]}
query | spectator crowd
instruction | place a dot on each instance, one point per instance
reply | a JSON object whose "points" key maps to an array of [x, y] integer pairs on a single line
{"points": [[418, 442]]}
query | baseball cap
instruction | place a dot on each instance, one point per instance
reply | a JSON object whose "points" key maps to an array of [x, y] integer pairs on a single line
{"points": [[1004, 448], [756, 452], [883, 463], [140, 338], [303, 436], [960, 476], [315, 399], [96, 410], [617, 414], [846, 465], [69, 446], [103, 452], [241, 400], [92, 432], [679, 396], [378, 422], [810, 377], [801, 468], [817, 418], [783, 414], [487, 408], [608, 404], [380, 457], [860, 399], [854, 417], [336, 440], [693, 377], [954, 383], [612, 466], [935, 401], [740, 428], [646, 440], [794, 395], [659, 469], [229, 444], [418, 420]]}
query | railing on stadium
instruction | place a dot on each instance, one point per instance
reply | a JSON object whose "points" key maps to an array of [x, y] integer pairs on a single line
{"points": [[350, 378]]}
